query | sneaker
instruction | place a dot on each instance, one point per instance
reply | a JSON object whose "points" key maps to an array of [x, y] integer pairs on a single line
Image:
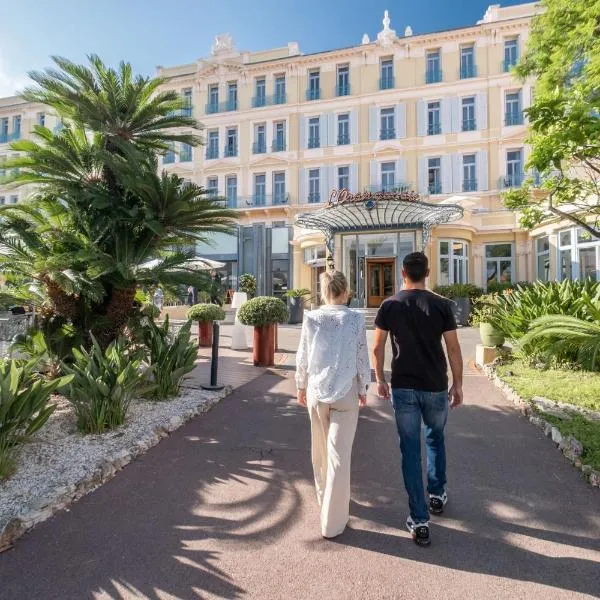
{"points": [[437, 503], [419, 532]]}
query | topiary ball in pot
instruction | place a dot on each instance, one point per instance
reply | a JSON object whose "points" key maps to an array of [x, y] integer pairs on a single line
{"points": [[206, 315]]}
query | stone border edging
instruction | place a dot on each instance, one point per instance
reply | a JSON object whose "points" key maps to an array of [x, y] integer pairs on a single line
{"points": [[111, 465], [569, 446]]}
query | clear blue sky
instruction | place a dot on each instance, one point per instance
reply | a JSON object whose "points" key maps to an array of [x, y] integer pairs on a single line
{"points": [[172, 32]]}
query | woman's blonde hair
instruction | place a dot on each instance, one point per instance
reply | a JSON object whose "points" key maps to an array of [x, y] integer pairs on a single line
{"points": [[333, 285]]}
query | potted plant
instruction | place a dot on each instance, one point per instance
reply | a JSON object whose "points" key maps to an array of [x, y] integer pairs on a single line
{"points": [[263, 313], [205, 314], [484, 318], [247, 283], [296, 303], [463, 295]]}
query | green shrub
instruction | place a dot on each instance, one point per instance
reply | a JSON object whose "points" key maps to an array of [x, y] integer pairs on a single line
{"points": [[297, 293], [459, 290], [103, 385], [263, 310], [247, 284], [483, 310], [171, 357], [150, 310], [23, 408], [206, 312], [497, 288]]}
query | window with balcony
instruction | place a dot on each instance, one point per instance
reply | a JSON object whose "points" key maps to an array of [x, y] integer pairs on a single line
{"points": [[213, 99], [467, 62], [231, 146], [469, 173], [434, 125], [343, 178], [511, 54], [260, 93], [231, 190], [314, 132], [433, 70], [169, 157], [279, 192], [260, 139], [16, 127], [41, 119], [387, 124], [314, 186], [280, 92], [468, 114], [232, 96], [279, 137], [343, 80], [260, 190], [212, 148], [343, 129], [388, 176], [542, 253], [187, 109], [514, 169], [499, 263], [514, 114], [185, 153], [212, 187], [386, 74], [314, 85], [434, 176], [453, 262]]}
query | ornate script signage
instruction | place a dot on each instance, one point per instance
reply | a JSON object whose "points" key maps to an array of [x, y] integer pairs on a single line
{"points": [[343, 196]]}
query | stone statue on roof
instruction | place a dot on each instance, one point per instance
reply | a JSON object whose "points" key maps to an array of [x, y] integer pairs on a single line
{"points": [[386, 36]]}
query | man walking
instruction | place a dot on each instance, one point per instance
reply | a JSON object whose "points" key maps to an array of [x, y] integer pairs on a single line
{"points": [[416, 320]]}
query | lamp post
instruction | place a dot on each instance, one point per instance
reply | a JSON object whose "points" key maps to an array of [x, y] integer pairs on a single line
{"points": [[238, 335]]}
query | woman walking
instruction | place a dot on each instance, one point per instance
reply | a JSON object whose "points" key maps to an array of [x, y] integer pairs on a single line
{"points": [[332, 376]]}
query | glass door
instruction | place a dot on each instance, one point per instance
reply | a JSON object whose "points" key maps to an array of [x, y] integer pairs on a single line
{"points": [[381, 281]]}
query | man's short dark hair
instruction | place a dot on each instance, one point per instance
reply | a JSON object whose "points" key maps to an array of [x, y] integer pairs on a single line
{"points": [[416, 265]]}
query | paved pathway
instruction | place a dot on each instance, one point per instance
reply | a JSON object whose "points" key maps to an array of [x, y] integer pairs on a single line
{"points": [[225, 508]]}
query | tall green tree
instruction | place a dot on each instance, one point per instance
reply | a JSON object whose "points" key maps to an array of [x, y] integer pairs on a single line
{"points": [[563, 54]]}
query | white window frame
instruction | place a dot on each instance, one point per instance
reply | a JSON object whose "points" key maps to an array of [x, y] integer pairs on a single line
{"points": [[346, 176], [458, 264], [498, 259], [575, 246], [314, 124], [539, 254], [388, 172], [314, 185], [343, 123], [280, 198]]}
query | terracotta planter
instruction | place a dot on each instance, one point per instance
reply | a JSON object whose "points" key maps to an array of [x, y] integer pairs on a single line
{"points": [[205, 333], [490, 336], [263, 350]]}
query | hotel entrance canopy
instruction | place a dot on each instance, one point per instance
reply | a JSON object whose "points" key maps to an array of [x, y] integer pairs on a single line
{"points": [[376, 211]]}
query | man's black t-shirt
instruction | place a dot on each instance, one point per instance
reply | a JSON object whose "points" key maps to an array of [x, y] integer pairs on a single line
{"points": [[416, 320]]}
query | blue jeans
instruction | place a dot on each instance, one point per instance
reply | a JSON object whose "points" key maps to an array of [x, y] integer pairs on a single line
{"points": [[410, 406]]}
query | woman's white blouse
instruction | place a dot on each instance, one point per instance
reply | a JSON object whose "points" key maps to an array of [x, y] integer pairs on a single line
{"points": [[332, 353]]}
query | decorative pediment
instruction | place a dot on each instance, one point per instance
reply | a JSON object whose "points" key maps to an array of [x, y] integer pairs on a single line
{"points": [[269, 161]]}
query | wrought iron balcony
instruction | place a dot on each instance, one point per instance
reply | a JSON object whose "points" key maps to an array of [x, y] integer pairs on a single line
{"points": [[314, 198], [259, 148], [187, 111], [278, 146], [435, 187], [313, 94], [513, 118], [387, 134], [314, 142], [511, 181], [216, 107], [469, 185], [343, 139], [400, 186], [469, 125], [259, 200], [387, 83], [433, 76], [468, 71], [258, 101], [507, 65], [10, 137], [230, 150], [434, 129], [342, 90]]}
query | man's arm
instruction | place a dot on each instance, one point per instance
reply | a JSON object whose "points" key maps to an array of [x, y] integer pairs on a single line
{"points": [[381, 335], [456, 366]]}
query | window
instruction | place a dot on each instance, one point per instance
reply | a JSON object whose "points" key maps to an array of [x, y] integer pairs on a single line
{"points": [[280, 93], [314, 128], [213, 99], [16, 127], [453, 262], [185, 153], [434, 126], [232, 97], [260, 97], [511, 54], [388, 176], [212, 149], [579, 255], [434, 176], [231, 142], [169, 156], [41, 119], [314, 183], [433, 73], [260, 190], [468, 114], [467, 62], [186, 111], [260, 139], [343, 81], [343, 174], [314, 85], [231, 190], [3, 131], [343, 129], [2, 200], [514, 114], [498, 263], [279, 193], [542, 252], [469, 173], [514, 168], [388, 129], [279, 141], [314, 254], [386, 71], [212, 186]]}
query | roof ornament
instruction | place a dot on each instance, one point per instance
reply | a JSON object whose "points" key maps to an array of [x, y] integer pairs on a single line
{"points": [[386, 36], [223, 44], [365, 39], [408, 31]]}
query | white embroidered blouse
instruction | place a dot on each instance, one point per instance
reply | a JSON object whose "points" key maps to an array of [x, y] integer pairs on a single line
{"points": [[332, 353]]}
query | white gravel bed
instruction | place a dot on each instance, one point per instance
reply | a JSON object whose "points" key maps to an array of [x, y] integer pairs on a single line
{"points": [[60, 464]]}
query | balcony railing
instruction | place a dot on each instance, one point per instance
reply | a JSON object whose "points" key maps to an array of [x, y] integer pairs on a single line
{"points": [[513, 118], [469, 125], [468, 71], [258, 101], [216, 107], [387, 134], [313, 94], [259, 148], [469, 185], [342, 90], [212, 153], [258, 200], [511, 181], [507, 65], [187, 111], [10, 137], [400, 186], [279, 98], [230, 151], [314, 142], [343, 139], [278, 146], [435, 188], [314, 198], [434, 128], [433, 76], [387, 83]]}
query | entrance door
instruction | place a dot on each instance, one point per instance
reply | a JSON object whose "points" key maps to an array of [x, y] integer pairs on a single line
{"points": [[381, 280]]}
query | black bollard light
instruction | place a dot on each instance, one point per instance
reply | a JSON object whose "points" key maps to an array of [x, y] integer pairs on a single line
{"points": [[214, 360]]}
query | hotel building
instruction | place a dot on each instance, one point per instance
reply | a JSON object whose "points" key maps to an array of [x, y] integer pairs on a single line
{"points": [[440, 114]]}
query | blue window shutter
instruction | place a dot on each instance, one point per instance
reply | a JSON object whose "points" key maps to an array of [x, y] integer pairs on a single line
{"points": [[354, 135], [482, 170], [400, 171], [373, 125], [303, 125], [302, 199], [446, 174], [354, 178], [401, 120], [457, 172], [422, 175], [455, 116], [421, 118], [374, 173], [481, 111]]}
